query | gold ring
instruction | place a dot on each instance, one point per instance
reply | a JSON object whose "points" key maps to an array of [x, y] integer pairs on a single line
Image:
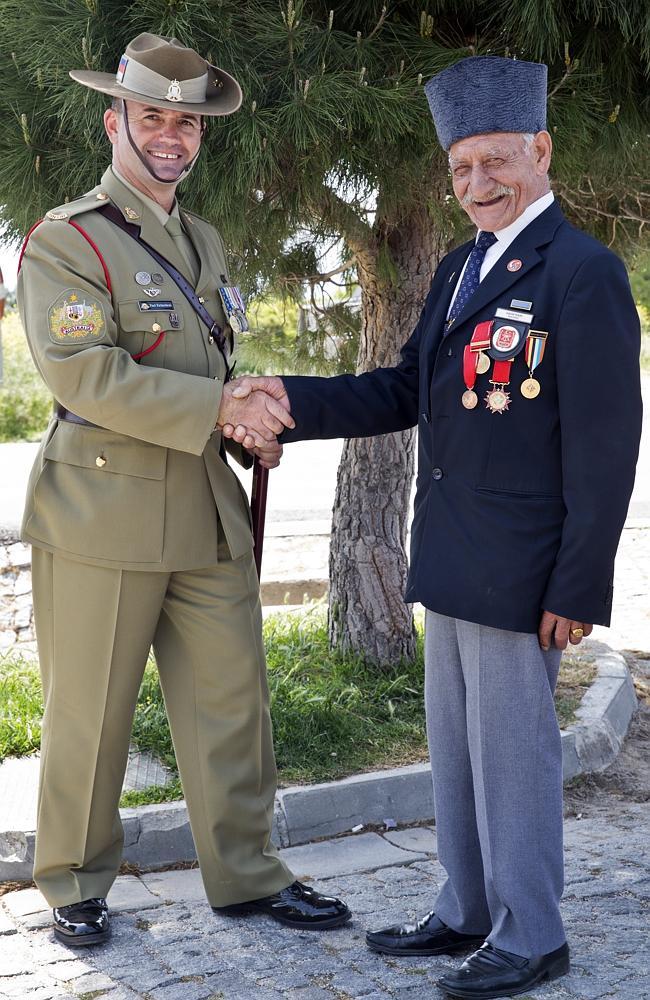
{"points": [[578, 632]]}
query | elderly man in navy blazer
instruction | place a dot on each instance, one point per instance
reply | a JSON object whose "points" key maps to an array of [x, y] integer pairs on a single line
{"points": [[523, 377]]}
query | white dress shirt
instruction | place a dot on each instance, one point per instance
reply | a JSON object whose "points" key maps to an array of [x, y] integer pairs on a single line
{"points": [[505, 237]]}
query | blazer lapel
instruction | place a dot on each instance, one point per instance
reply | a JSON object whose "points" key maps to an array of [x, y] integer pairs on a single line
{"points": [[523, 248], [432, 336]]}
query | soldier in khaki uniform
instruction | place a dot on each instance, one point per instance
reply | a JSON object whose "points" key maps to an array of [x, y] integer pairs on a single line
{"points": [[140, 531]]}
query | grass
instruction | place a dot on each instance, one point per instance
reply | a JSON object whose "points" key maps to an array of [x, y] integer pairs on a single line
{"points": [[333, 715], [25, 403]]}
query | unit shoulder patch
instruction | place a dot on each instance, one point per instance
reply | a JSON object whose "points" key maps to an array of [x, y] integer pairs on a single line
{"points": [[76, 317]]}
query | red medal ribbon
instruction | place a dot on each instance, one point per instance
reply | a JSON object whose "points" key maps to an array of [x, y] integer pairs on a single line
{"points": [[501, 372], [479, 342], [469, 366], [481, 338]]}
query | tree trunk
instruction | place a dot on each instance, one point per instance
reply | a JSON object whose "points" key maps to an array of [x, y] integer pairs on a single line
{"points": [[368, 563]]}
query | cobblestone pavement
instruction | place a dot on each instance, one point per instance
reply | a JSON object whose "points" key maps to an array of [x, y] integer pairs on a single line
{"points": [[167, 945]]}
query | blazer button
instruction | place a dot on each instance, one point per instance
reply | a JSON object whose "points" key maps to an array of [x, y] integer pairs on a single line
{"points": [[100, 461], [437, 474], [156, 327]]}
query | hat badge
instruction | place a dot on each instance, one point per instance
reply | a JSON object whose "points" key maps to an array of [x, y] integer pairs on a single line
{"points": [[174, 92]]}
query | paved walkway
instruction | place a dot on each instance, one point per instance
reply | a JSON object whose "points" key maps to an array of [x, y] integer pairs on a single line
{"points": [[167, 945]]}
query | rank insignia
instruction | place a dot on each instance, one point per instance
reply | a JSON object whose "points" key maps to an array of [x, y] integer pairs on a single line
{"points": [[131, 213], [57, 215], [76, 318]]}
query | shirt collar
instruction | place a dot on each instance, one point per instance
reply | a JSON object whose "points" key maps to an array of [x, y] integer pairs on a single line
{"points": [[507, 235]]}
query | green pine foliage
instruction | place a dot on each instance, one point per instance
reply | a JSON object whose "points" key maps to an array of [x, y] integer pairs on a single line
{"points": [[334, 111]]}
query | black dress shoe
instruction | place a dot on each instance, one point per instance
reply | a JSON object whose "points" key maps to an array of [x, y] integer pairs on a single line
{"points": [[82, 923], [429, 936], [296, 906], [490, 972]]}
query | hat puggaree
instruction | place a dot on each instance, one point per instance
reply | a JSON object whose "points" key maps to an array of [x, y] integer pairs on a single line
{"points": [[163, 73]]}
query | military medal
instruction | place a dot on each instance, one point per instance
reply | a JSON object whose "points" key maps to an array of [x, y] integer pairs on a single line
{"points": [[474, 362], [142, 277], [482, 364], [234, 308], [535, 347], [498, 399], [530, 388], [479, 343]]}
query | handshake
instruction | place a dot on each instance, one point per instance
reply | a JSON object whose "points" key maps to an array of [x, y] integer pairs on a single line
{"points": [[253, 411]]}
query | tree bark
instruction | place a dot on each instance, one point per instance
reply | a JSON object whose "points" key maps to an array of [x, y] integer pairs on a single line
{"points": [[368, 562]]}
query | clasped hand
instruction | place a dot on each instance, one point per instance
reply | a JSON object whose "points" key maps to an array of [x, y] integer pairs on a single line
{"points": [[253, 411]]}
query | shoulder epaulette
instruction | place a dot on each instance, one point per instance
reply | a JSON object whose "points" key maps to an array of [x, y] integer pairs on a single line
{"points": [[87, 203]]}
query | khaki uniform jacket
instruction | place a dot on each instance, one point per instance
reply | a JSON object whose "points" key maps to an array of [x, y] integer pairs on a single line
{"points": [[142, 489]]}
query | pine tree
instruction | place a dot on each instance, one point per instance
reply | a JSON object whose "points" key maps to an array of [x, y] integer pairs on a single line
{"points": [[335, 142]]}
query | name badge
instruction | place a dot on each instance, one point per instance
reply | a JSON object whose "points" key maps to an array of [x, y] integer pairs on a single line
{"points": [[159, 305]]}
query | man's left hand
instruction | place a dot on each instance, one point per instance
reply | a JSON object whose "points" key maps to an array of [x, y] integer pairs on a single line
{"points": [[554, 629], [269, 455]]}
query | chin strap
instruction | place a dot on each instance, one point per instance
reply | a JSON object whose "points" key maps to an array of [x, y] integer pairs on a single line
{"points": [[161, 180]]}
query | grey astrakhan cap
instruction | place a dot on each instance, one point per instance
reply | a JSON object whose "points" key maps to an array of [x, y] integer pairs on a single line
{"points": [[487, 94]]}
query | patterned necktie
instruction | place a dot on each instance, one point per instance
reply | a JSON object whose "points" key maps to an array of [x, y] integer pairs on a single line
{"points": [[472, 274]]}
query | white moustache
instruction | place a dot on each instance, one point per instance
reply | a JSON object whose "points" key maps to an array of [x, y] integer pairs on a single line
{"points": [[469, 198]]}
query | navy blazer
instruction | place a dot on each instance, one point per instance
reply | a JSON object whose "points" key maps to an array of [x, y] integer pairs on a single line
{"points": [[520, 511]]}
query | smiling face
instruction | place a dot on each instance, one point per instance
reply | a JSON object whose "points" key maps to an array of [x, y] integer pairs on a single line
{"points": [[498, 175], [166, 140]]}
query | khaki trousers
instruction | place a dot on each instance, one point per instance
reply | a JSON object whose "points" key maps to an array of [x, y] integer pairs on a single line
{"points": [[95, 627]]}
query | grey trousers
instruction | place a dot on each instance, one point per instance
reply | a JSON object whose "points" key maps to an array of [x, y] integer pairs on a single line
{"points": [[496, 760]]}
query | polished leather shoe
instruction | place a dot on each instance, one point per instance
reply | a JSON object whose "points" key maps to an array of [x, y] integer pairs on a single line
{"points": [[491, 972], [429, 936], [80, 924], [296, 906]]}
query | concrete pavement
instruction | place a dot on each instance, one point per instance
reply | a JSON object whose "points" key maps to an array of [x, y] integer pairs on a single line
{"points": [[167, 944]]}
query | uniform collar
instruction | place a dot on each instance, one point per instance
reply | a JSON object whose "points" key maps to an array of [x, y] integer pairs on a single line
{"points": [[145, 213], [161, 214]]}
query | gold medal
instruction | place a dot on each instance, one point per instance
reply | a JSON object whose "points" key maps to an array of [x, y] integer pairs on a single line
{"points": [[482, 363], [497, 400], [530, 388], [469, 399]]}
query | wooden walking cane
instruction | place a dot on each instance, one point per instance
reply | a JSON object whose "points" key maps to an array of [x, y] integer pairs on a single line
{"points": [[258, 511]]}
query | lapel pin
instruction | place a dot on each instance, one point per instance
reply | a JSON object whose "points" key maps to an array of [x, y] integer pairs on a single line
{"points": [[131, 213], [514, 265], [451, 277]]}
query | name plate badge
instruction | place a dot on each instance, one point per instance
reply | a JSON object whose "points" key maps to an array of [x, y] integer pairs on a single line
{"points": [[158, 306], [516, 314]]}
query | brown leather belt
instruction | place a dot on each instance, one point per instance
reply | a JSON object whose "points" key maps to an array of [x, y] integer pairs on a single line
{"points": [[61, 413]]}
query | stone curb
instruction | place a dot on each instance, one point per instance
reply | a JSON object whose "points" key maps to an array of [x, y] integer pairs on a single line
{"points": [[160, 834]]}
